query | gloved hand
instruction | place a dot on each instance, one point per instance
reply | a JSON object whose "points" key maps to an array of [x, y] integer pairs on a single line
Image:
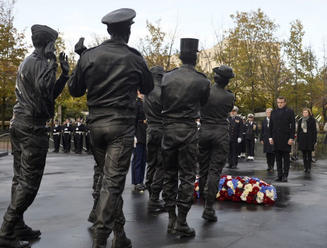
{"points": [[79, 46], [239, 140], [64, 63], [255, 140]]}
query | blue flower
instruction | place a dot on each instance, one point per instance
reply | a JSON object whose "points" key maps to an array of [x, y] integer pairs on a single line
{"points": [[221, 183], [230, 192], [235, 181]]}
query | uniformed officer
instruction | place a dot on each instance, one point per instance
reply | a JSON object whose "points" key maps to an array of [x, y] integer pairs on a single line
{"points": [[184, 91], [87, 139], [79, 130], [214, 138], [111, 73], [36, 91], [56, 134], [235, 137], [67, 130], [152, 109], [139, 154], [251, 136]]}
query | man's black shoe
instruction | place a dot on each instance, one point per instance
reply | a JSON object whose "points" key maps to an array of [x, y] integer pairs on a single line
{"points": [[209, 215], [26, 233], [9, 243], [155, 206], [278, 179], [284, 179]]}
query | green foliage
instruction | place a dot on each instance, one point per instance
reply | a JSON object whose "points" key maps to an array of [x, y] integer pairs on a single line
{"points": [[12, 52], [155, 49]]}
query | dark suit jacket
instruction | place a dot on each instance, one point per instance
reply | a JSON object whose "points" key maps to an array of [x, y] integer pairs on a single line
{"points": [[282, 128]]}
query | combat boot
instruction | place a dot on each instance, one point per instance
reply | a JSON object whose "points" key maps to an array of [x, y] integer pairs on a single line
{"points": [[99, 241], [171, 221], [26, 233], [182, 229], [209, 214], [13, 243], [120, 240], [155, 206]]}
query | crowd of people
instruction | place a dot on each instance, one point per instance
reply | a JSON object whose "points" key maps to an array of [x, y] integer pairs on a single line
{"points": [[63, 135], [182, 122]]}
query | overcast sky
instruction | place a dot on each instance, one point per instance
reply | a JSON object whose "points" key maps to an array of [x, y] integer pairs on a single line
{"points": [[194, 18]]}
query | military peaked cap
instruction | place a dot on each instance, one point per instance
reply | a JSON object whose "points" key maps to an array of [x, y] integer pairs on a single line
{"points": [[119, 15]]}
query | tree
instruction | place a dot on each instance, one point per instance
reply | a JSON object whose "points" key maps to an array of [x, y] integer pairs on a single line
{"points": [[156, 49], [294, 51], [12, 53]]}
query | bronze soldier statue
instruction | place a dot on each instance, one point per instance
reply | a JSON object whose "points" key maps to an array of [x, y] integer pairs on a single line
{"points": [[184, 91], [112, 73], [36, 91], [214, 138]]}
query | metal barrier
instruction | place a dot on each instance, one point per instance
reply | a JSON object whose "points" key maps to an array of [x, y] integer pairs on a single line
{"points": [[5, 145]]}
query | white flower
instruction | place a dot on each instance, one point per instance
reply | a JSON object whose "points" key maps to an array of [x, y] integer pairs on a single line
{"points": [[270, 194], [244, 195], [218, 194], [248, 187], [230, 184], [239, 184], [223, 189], [260, 197], [229, 177], [197, 188]]}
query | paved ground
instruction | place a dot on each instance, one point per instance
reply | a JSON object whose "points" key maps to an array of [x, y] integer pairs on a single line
{"points": [[298, 219]]}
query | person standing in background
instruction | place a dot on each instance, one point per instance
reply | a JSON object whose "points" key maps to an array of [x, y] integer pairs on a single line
{"points": [[235, 137], [67, 130], [281, 135], [56, 135], [307, 137], [251, 136], [139, 154], [264, 139]]}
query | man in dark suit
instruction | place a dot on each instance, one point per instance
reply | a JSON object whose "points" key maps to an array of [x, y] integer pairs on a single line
{"points": [[67, 130], [264, 139], [56, 134], [79, 130], [235, 137], [281, 135]]}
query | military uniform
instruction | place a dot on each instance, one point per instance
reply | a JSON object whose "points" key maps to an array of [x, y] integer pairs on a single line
{"points": [[214, 140], [235, 135], [251, 134], [56, 134], [152, 109], [79, 130], [67, 130], [184, 91], [112, 72], [36, 91], [87, 139]]}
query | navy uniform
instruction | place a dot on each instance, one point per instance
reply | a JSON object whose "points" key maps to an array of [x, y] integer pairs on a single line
{"points": [[139, 154], [251, 136], [56, 135], [111, 73], [67, 130], [79, 130], [36, 91], [235, 137], [214, 138], [152, 109], [87, 140], [184, 91]]}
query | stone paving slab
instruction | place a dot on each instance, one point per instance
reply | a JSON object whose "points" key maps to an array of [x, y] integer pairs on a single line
{"points": [[298, 219]]}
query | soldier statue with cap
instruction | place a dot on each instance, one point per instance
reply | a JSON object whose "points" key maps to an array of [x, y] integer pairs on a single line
{"points": [[214, 138], [152, 109], [111, 74], [36, 91], [184, 91], [235, 137]]}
